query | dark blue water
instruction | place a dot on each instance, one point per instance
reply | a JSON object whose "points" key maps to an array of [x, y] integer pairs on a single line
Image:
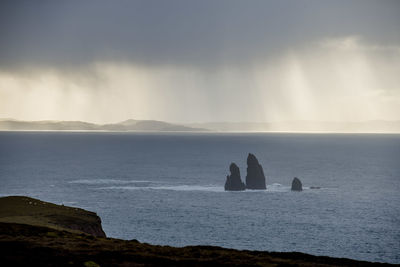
{"points": [[168, 188]]}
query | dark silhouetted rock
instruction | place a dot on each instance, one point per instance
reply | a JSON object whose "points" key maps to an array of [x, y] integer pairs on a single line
{"points": [[255, 178], [233, 181], [296, 185]]}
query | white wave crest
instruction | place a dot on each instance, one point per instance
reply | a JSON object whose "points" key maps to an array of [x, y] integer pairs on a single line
{"points": [[207, 188], [275, 187], [106, 181]]}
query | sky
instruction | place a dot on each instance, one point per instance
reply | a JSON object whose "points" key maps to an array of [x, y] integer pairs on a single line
{"points": [[200, 61]]}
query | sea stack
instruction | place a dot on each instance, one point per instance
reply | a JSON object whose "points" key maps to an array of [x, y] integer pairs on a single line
{"points": [[255, 178], [296, 184], [233, 181]]}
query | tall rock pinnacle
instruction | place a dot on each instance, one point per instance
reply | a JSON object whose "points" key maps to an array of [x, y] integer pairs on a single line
{"points": [[255, 178], [233, 181]]}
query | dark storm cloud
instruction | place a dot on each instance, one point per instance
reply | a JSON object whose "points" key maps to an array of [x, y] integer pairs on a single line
{"points": [[69, 33]]}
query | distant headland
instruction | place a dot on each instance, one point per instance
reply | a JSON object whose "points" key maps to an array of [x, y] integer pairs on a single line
{"points": [[123, 126], [373, 126]]}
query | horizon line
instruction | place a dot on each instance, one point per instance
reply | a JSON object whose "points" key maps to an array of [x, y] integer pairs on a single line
{"points": [[197, 122]]}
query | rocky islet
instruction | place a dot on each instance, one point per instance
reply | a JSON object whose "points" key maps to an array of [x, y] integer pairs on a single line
{"points": [[255, 178]]}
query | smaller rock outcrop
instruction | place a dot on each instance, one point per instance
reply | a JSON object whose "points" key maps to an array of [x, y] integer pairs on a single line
{"points": [[296, 184], [255, 178], [233, 181]]}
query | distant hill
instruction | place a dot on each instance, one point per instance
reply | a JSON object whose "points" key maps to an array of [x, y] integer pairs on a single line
{"points": [[128, 125], [15, 125], [376, 126], [149, 125]]}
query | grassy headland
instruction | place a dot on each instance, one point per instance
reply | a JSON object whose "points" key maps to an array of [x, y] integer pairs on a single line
{"points": [[37, 234]]}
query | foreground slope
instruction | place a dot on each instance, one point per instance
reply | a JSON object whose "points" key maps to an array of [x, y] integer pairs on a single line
{"points": [[25, 244]]}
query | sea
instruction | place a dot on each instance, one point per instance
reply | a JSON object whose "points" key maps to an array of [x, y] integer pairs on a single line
{"points": [[168, 188]]}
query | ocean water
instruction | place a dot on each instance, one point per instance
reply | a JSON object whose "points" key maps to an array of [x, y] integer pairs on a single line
{"points": [[167, 188]]}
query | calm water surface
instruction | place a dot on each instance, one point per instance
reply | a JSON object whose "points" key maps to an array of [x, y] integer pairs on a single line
{"points": [[168, 188]]}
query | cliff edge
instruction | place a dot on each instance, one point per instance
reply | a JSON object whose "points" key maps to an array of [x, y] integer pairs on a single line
{"points": [[31, 211]]}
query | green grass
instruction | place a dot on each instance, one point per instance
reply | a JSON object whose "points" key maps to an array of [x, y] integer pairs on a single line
{"points": [[26, 210]]}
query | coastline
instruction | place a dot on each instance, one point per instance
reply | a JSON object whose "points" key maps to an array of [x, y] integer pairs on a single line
{"points": [[48, 244]]}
